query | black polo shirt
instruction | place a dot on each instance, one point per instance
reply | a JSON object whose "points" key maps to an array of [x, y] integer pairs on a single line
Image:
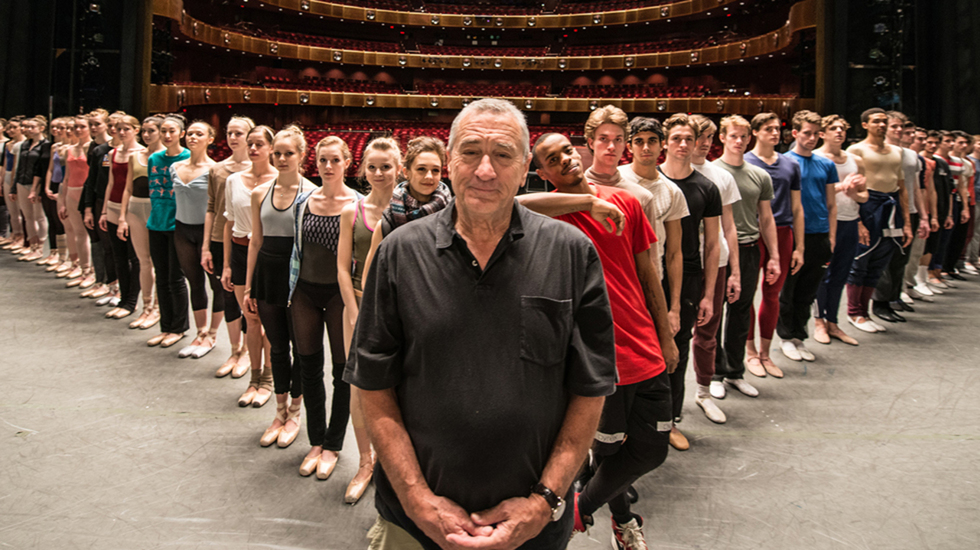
{"points": [[483, 362]]}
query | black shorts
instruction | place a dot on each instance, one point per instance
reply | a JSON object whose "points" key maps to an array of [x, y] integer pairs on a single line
{"points": [[641, 410], [931, 243], [239, 263]]}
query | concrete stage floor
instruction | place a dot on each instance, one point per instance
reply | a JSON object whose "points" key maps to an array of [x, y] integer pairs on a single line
{"points": [[109, 444]]}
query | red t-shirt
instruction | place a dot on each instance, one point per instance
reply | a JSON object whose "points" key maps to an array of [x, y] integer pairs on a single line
{"points": [[638, 355]]}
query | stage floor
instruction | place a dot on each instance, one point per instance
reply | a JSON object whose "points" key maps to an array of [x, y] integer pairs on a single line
{"points": [[107, 443]]}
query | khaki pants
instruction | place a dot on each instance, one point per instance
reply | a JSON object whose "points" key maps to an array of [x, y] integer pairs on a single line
{"points": [[385, 535]]}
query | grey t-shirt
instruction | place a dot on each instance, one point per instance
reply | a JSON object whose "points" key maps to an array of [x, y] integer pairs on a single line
{"points": [[910, 171], [754, 185]]}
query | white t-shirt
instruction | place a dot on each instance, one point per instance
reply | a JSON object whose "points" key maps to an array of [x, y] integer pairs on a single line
{"points": [[668, 205], [238, 206], [726, 185], [847, 208]]}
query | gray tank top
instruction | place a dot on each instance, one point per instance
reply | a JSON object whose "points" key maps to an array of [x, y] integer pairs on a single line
{"points": [[276, 222]]}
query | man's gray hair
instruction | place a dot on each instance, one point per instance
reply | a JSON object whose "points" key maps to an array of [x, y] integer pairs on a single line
{"points": [[497, 107]]}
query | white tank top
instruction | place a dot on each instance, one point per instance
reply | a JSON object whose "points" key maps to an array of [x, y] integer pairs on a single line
{"points": [[847, 208]]}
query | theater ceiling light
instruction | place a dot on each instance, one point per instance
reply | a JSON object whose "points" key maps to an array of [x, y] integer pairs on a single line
{"points": [[304, 98]]}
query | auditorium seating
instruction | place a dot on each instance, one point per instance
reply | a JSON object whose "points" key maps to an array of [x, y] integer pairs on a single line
{"points": [[487, 51], [483, 90], [332, 85], [635, 91], [322, 41], [615, 5], [637, 47]]}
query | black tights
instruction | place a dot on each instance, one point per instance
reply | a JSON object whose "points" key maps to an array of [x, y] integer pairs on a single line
{"points": [[188, 240], [55, 226], [279, 330], [127, 268], [171, 290], [313, 306]]}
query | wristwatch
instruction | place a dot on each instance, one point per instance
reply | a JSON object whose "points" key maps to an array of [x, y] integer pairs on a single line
{"points": [[556, 502]]}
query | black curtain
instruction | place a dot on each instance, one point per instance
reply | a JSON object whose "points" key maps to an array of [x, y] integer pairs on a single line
{"points": [[26, 38], [946, 63]]}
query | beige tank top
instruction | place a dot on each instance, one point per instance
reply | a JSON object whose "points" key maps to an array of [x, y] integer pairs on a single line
{"points": [[882, 170]]}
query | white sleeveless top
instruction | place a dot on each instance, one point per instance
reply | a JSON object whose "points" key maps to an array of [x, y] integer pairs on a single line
{"points": [[847, 208]]}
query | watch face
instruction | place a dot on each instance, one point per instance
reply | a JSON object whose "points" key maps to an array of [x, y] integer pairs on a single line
{"points": [[558, 512]]}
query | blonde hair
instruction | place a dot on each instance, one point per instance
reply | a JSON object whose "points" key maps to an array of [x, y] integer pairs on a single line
{"points": [[129, 120], [239, 118], [607, 114], [733, 121], [101, 113], [211, 132], [424, 144], [330, 141], [681, 119], [705, 125], [383, 145], [294, 133], [829, 120]]}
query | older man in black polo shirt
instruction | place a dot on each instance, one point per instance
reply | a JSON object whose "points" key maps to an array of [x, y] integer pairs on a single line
{"points": [[483, 353]]}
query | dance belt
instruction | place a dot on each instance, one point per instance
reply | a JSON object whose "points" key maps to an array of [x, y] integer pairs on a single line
{"points": [[240, 240]]}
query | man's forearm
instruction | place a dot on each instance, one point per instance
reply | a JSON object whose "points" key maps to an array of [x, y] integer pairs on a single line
{"points": [[799, 229], [731, 237], [383, 420], [675, 262], [653, 292], [556, 204], [577, 431], [903, 201], [769, 237]]}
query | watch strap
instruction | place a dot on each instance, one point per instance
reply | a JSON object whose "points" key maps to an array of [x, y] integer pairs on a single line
{"points": [[552, 499]]}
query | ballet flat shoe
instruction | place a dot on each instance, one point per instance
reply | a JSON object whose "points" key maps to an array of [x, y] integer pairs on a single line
{"points": [[358, 485], [309, 466], [225, 368], [260, 398], [155, 341], [122, 313], [270, 436], [171, 340], [247, 398], [326, 467]]}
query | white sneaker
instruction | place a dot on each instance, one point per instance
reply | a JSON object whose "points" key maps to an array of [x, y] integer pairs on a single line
{"points": [[789, 350], [921, 289], [865, 325], [969, 268], [877, 327], [742, 386], [711, 410], [717, 389], [804, 353], [906, 299]]}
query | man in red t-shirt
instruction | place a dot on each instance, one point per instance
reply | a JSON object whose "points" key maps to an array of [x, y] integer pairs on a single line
{"points": [[634, 431]]}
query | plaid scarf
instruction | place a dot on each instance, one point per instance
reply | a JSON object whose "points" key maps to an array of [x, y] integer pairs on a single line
{"points": [[403, 207]]}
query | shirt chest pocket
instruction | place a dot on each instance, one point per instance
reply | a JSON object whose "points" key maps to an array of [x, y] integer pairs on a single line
{"points": [[546, 326]]}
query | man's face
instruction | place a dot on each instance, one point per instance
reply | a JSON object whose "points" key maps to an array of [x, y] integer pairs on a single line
{"points": [[908, 137], [807, 136], [704, 144], [932, 145], [559, 162], [680, 143], [945, 145], [976, 148], [646, 147], [768, 133], [735, 139], [487, 164], [893, 131], [608, 145], [876, 125], [918, 141], [960, 146], [836, 133]]}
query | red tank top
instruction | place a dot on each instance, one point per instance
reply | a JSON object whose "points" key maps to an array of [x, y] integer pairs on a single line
{"points": [[119, 172]]}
